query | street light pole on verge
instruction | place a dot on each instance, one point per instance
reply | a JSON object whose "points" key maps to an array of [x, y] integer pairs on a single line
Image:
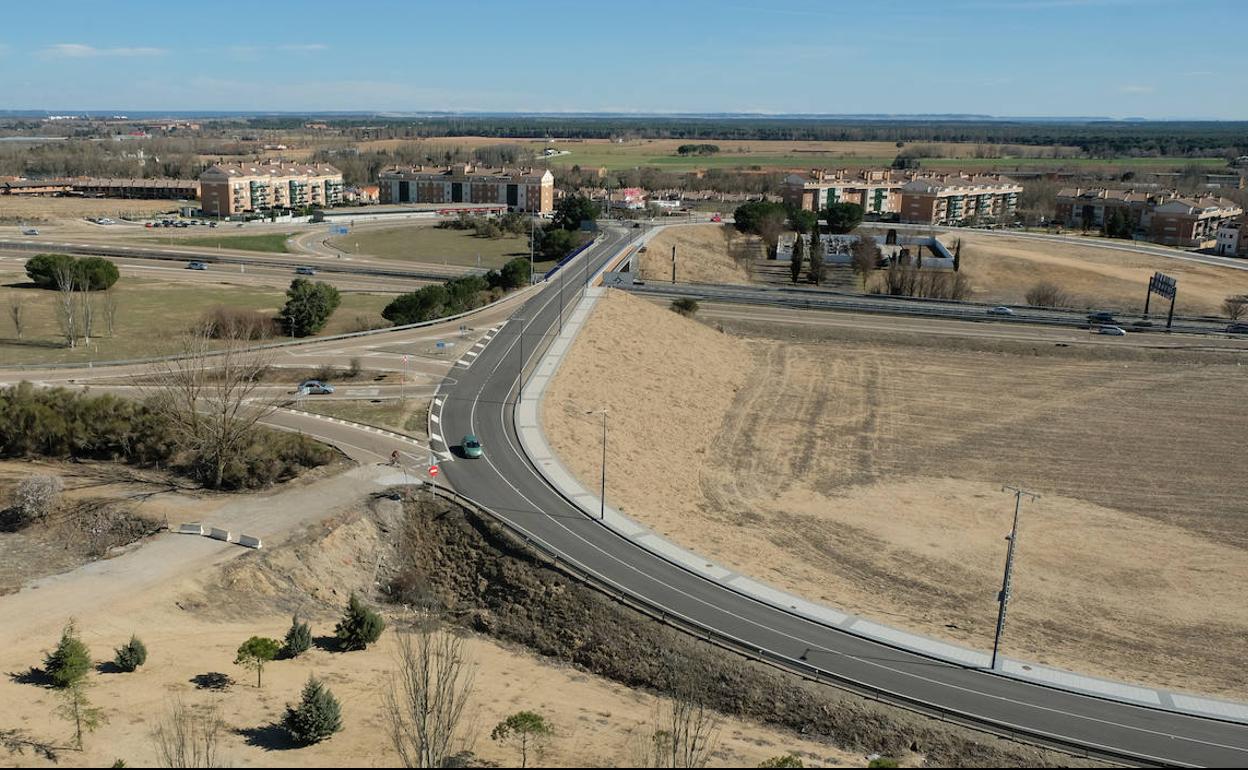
{"points": [[1004, 597], [602, 494], [520, 390], [532, 221]]}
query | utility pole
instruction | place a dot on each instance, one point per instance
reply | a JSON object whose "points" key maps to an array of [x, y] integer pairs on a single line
{"points": [[531, 225], [1003, 598]]}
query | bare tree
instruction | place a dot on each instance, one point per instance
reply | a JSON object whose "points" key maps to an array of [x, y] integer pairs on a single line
{"points": [[186, 737], [865, 256], [212, 398], [110, 305], [78, 711], [428, 694], [36, 496], [66, 286], [86, 314], [1234, 307], [1045, 294], [17, 313]]}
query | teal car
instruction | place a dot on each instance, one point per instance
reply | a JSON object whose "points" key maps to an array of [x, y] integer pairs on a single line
{"points": [[472, 447]]}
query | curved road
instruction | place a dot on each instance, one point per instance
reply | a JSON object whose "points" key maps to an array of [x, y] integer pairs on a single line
{"points": [[505, 481]]}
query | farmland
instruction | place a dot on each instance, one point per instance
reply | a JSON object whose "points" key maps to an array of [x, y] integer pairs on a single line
{"points": [[866, 474]]}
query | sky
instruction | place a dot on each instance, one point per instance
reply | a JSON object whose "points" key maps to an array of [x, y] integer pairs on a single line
{"points": [[1113, 58]]}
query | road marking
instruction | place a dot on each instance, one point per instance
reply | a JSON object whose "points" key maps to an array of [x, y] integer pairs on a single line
{"points": [[472, 353], [435, 418]]}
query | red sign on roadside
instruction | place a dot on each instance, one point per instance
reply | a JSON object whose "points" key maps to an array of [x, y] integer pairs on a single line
{"points": [[433, 470]]}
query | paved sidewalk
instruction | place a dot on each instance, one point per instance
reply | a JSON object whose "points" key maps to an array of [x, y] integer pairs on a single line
{"points": [[533, 441]]}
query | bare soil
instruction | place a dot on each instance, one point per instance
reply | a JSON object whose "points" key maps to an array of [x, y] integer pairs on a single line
{"points": [[18, 210], [867, 475], [704, 254]]}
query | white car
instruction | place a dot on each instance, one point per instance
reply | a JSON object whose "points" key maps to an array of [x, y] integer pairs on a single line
{"points": [[1000, 310], [1112, 331], [30, 231]]}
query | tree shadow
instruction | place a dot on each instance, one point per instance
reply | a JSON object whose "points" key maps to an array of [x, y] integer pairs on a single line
{"points": [[270, 737], [46, 344], [109, 667], [326, 643], [35, 676], [12, 520], [213, 680]]}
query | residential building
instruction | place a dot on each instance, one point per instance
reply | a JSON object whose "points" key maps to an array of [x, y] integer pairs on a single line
{"points": [[236, 188], [520, 189], [1164, 216], [942, 199], [877, 191], [1233, 239], [155, 189]]}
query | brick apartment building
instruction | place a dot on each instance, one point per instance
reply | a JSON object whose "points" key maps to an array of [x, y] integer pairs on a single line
{"points": [[947, 199], [877, 191], [937, 199], [519, 190], [1164, 216], [236, 188]]}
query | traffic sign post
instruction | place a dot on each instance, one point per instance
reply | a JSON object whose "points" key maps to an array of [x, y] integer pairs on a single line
{"points": [[1165, 286], [403, 384]]}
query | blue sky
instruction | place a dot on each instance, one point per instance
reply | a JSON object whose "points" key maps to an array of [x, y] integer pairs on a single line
{"points": [[1119, 58]]}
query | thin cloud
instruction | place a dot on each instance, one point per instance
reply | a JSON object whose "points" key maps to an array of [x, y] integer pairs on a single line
{"points": [[303, 47], [83, 51], [1137, 89]]}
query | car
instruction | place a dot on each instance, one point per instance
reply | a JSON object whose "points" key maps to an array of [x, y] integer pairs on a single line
{"points": [[212, 224], [1112, 331], [149, 224], [1101, 317], [30, 231], [305, 270], [1143, 324], [472, 447], [636, 225], [717, 218], [196, 266], [1000, 310], [1237, 328], [315, 388]]}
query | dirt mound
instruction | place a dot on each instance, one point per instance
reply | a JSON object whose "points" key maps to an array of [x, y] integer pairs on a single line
{"points": [[704, 254]]}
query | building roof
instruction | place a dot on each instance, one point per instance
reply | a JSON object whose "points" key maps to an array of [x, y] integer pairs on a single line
{"points": [[938, 183], [465, 171], [272, 168]]}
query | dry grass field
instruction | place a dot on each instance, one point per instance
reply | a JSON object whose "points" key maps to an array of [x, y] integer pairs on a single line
{"points": [[867, 475], [704, 254], [16, 210]]}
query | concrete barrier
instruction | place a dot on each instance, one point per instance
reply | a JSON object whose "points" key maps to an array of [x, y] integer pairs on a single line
{"points": [[249, 541], [219, 534], [190, 529]]}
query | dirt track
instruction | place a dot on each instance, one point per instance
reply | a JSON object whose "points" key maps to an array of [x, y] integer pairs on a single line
{"points": [[868, 475]]}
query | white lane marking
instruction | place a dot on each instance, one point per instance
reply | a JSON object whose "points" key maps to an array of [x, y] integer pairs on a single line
{"points": [[435, 418], [436, 437], [472, 353]]}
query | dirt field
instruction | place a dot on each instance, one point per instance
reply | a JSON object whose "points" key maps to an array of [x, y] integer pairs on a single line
{"points": [[868, 475], [16, 210], [704, 254], [1003, 269], [190, 630]]}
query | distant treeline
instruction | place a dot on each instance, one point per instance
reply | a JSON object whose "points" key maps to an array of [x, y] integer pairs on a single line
{"points": [[1096, 138]]}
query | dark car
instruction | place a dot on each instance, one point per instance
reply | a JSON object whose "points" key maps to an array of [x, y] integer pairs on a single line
{"points": [[305, 270], [1237, 328], [1101, 317]]}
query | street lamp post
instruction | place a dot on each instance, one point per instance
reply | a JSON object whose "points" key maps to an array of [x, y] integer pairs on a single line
{"points": [[520, 389], [602, 493], [1004, 597]]}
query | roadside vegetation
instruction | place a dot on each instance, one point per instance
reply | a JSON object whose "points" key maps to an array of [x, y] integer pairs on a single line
{"points": [[268, 243]]}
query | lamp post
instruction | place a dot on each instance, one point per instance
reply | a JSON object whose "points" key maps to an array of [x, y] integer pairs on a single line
{"points": [[520, 389], [602, 494]]}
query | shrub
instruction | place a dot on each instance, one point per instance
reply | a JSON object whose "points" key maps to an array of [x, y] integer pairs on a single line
{"points": [[360, 626], [69, 663], [784, 760], [42, 269], [89, 273], [317, 717], [685, 306], [36, 497], [1047, 294], [298, 639], [131, 655], [843, 217], [236, 323], [308, 307]]}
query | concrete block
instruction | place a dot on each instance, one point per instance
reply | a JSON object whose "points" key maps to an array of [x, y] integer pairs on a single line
{"points": [[249, 541], [190, 529], [219, 534]]}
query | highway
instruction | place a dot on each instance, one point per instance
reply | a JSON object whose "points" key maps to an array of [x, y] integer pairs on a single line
{"points": [[505, 480]]}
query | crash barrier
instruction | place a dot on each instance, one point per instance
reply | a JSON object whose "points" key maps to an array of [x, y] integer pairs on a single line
{"points": [[249, 541]]}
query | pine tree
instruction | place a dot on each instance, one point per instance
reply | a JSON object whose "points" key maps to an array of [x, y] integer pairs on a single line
{"points": [[360, 626], [255, 652], [795, 265], [69, 663], [298, 638], [317, 717], [816, 246], [131, 655], [957, 256]]}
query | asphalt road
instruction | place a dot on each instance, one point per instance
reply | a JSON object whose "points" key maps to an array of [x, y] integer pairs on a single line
{"points": [[481, 402]]}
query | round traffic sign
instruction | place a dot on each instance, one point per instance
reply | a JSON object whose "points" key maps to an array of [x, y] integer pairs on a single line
{"points": [[433, 470]]}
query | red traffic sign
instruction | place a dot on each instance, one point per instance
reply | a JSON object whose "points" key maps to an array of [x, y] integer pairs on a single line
{"points": [[433, 470]]}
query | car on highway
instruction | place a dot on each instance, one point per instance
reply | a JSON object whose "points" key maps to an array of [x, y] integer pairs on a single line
{"points": [[196, 266], [1237, 328], [305, 270], [472, 447], [1101, 317], [30, 231], [315, 388], [1112, 331], [1000, 310]]}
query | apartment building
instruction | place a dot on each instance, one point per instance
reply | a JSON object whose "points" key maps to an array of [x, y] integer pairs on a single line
{"points": [[877, 191], [942, 199], [519, 189], [1233, 239], [1164, 216], [237, 188]]}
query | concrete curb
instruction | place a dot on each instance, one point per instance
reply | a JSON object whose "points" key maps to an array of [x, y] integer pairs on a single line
{"points": [[534, 444]]}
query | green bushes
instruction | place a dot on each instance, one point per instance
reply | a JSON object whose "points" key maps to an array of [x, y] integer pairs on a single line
{"points": [[360, 626], [317, 716], [298, 639], [87, 273], [131, 655], [69, 663], [65, 424], [458, 295], [308, 307]]}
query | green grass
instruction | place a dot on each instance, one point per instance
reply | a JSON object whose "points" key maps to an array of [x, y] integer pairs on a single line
{"points": [[402, 416], [271, 243], [422, 243], [150, 318]]}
